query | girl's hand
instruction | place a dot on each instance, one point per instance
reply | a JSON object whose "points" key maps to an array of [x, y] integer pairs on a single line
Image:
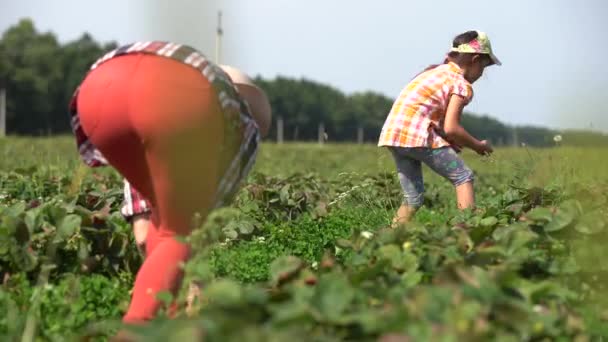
{"points": [[456, 148], [484, 148]]}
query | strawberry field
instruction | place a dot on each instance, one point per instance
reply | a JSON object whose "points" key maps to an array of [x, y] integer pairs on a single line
{"points": [[306, 252]]}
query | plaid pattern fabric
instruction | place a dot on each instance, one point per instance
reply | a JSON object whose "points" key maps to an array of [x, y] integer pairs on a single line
{"points": [[134, 203], [416, 117], [239, 122]]}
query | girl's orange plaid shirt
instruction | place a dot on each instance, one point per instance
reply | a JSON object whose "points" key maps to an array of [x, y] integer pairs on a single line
{"points": [[416, 117]]}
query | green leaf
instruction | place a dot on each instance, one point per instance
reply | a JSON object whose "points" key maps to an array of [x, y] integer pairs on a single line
{"points": [[543, 290], [365, 272], [290, 311], [519, 239], [344, 243], [85, 214], [391, 252], [489, 221], [30, 261], [573, 207], [230, 230], [475, 221], [560, 220], [68, 226], [333, 295], [165, 296], [224, 292], [386, 236], [5, 246], [501, 233], [284, 267], [246, 227], [480, 233], [411, 279], [515, 209], [400, 260], [591, 223], [564, 265], [8, 225], [56, 213], [16, 209], [511, 196], [540, 214], [487, 255], [32, 220]]}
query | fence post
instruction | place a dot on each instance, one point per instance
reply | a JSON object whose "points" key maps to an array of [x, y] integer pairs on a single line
{"points": [[2, 112], [280, 130], [321, 133], [360, 136]]}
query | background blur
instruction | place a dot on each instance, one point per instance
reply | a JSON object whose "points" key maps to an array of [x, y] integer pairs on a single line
{"points": [[328, 66]]}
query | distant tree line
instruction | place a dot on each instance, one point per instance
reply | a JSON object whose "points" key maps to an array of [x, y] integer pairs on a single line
{"points": [[40, 75]]}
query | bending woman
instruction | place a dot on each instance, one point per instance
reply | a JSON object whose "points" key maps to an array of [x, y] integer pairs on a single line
{"points": [[182, 130]]}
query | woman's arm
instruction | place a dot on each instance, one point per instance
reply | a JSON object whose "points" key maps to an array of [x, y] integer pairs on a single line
{"points": [[136, 209]]}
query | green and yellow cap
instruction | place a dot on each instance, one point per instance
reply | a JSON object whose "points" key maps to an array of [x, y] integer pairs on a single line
{"points": [[481, 44]]}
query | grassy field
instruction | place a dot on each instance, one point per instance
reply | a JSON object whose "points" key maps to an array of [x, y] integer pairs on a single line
{"points": [[304, 253]]}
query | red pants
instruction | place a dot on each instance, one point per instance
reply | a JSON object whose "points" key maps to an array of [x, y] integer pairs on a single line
{"points": [[159, 123]]}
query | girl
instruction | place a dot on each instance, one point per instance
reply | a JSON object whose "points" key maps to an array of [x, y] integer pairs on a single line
{"points": [[183, 131], [423, 125]]}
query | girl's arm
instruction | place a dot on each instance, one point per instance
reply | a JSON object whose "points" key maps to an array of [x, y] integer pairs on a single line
{"points": [[457, 133]]}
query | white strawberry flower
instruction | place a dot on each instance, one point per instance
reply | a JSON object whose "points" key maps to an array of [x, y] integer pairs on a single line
{"points": [[367, 235]]}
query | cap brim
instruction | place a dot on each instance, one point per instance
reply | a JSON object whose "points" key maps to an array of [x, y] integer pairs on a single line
{"points": [[495, 59]]}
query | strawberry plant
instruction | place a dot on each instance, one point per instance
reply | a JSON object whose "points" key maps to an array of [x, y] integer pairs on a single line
{"points": [[307, 250]]}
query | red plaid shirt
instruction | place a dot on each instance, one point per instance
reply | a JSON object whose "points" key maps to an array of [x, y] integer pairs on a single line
{"points": [[236, 112]]}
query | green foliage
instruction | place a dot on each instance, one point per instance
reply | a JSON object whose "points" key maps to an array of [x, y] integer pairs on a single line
{"points": [[85, 228], [493, 274], [40, 76], [66, 306], [310, 253]]}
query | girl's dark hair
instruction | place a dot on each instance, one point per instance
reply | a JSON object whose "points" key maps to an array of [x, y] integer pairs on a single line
{"points": [[464, 38], [459, 57]]}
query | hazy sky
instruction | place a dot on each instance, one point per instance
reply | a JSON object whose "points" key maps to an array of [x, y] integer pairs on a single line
{"points": [[553, 51]]}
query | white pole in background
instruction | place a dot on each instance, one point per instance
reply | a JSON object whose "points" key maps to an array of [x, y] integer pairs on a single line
{"points": [[218, 39], [2, 112], [360, 135], [321, 133], [280, 130]]}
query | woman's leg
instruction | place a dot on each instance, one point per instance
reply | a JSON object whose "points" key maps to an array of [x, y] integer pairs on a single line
{"points": [[161, 271]]}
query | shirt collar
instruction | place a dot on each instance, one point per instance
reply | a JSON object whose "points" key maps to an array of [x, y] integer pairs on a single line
{"points": [[456, 68]]}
